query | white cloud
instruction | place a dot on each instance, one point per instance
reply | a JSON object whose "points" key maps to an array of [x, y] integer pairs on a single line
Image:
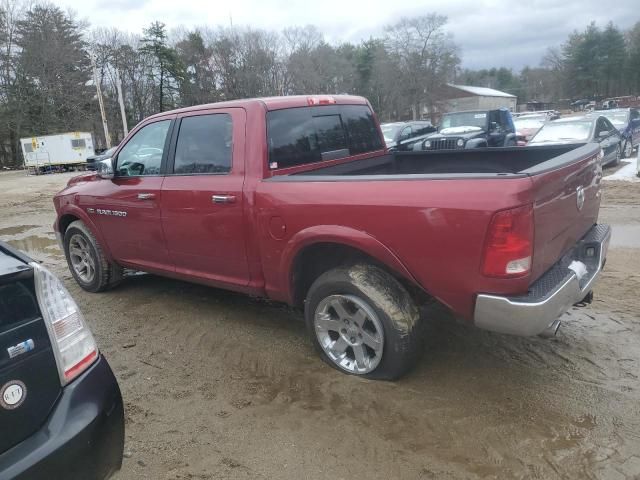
{"points": [[490, 32]]}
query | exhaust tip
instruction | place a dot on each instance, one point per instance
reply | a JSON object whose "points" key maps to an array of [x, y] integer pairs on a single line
{"points": [[551, 330]]}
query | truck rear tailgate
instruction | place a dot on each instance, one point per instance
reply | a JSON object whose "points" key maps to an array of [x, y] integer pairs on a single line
{"points": [[566, 203]]}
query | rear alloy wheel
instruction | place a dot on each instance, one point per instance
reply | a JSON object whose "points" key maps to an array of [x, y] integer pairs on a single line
{"points": [[364, 322], [628, 149], [349, 332]]}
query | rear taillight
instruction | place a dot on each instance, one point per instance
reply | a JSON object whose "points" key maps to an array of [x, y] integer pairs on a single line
{"points": [[509, 243], [72, 342]]}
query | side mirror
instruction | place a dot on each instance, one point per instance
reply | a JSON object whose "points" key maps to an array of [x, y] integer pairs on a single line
{"points": [[105, 169], [603, 134]]}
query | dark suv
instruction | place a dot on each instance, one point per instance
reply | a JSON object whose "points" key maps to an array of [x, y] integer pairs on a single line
{"points": [[403, 135], [472, 129], [61, 413]]}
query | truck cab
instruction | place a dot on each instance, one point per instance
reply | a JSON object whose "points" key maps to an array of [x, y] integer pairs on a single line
{"points": [[472, 129]]}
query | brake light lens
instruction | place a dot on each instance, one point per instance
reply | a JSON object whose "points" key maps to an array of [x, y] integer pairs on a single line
{"points": [[509, 243], [321, 100], [73, 344]]}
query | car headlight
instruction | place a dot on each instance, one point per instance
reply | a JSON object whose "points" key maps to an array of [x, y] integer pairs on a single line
{"points": [[71, 340], [460, 142], [427, 144]]}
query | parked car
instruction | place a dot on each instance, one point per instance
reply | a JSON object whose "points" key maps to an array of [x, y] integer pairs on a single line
{"points": [[473, 129], [527, 126], [627, 121], [402, 135], [297, 199], [61, 413], [583, 129], [93, 160]]}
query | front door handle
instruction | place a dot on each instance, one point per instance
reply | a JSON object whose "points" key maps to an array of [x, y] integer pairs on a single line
{"points": [[146, 196], [223, 198]]}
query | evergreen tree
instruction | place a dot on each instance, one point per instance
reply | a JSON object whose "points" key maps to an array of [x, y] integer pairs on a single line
{"points": [[165, 68]]}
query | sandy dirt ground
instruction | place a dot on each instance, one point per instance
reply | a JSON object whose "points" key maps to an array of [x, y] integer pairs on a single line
{"points": [[219, 385]]}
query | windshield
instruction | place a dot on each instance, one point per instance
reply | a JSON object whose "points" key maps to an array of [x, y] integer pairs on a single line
{"points": [[617, 118], [561, 131], [529, 122], [389, 131], [464, 119]]}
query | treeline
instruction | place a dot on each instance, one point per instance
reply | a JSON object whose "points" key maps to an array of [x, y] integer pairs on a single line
{"points": [[46, 71], [47, 59], [593, 64]]}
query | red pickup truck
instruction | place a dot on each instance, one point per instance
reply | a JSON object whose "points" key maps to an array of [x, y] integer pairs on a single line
{"points": [[297, 199]]}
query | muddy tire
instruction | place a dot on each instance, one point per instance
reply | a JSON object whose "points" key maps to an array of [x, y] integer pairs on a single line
{"points": [[86, 259], [363, 322]]}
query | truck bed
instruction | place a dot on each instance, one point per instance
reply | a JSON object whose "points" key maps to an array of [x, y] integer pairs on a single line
{"points": [[432, 209], [481, 162]]}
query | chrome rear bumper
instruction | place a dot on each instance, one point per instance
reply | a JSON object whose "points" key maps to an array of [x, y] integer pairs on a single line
{"points": [[552, 294]]}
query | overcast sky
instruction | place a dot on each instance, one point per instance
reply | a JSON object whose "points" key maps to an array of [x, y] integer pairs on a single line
{"points": [[491, 33]]}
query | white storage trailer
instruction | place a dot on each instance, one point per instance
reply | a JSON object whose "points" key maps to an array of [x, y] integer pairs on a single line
{"points": [[52, 152]]}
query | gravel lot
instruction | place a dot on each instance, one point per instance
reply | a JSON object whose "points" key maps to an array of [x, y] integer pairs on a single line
{"points": [[219, 385]]}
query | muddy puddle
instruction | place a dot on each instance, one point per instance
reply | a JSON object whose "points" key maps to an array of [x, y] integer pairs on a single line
{"points": [[625, 236], [36, 245], [17, 230]]}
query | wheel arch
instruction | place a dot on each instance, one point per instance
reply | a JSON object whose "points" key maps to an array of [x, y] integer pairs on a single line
{"points": [[319, 249], [70, 215]]}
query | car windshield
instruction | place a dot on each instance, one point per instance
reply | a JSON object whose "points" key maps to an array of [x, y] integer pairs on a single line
{"points": [[389, 131], [464, 119], [529, 122], [561, 131], [617, 118]]}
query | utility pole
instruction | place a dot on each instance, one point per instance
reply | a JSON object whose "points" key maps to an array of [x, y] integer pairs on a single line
{"points": [[121, 102], [107, 137]]}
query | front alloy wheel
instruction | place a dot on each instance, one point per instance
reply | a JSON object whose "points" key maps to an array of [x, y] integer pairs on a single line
{"points": [[628, 149], [350, 333], [81, 258]]}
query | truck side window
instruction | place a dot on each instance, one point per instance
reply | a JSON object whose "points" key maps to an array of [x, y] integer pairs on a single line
{"points": [[298, 136], [204, 144], [142, 155]]}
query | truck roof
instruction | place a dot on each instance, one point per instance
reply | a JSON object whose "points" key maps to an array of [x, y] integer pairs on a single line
{"points": [[272, 103]]}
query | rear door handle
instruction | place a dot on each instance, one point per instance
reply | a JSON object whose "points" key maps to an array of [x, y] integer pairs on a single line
{"points": [[146, 196], [223, 198]]}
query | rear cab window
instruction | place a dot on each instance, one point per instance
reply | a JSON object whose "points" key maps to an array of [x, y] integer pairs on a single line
{"points": [[204, 145], [307, 135]]}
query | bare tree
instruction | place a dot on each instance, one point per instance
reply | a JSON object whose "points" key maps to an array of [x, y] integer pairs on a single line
{"points": [[427, 58]]}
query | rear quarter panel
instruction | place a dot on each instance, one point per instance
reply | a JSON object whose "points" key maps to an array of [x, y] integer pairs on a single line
{"points": [[436, 228]]}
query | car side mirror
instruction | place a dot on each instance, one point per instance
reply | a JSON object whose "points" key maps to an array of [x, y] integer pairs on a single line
{"points": [[603, 134], [105, 169]]}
